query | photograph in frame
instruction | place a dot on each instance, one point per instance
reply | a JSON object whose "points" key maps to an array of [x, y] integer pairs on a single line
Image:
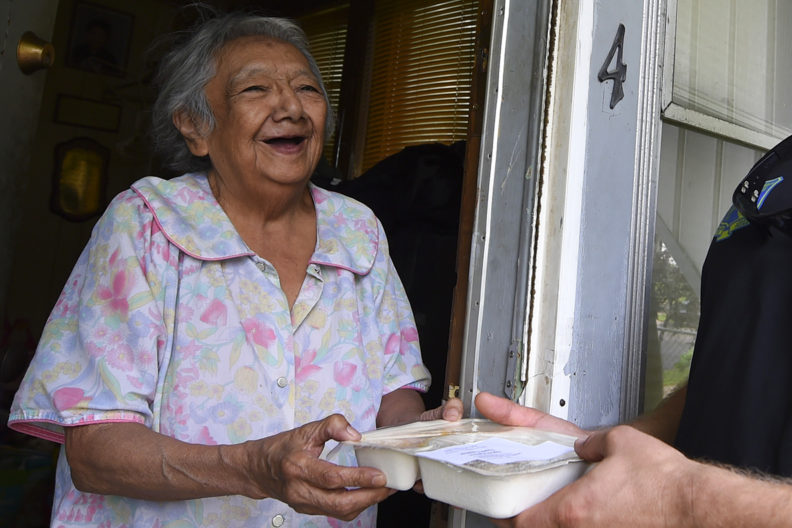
{"points": [[99, 39]]}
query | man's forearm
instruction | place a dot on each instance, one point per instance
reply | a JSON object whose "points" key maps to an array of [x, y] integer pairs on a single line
{"points": [[723, 497], [663, 421]]}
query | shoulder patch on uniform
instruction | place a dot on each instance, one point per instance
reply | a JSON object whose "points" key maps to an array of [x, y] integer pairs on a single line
{"points": [[768, 186], [732, 221]]}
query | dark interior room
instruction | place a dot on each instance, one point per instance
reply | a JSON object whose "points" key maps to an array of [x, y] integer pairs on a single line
{"points": [[403, 78]]}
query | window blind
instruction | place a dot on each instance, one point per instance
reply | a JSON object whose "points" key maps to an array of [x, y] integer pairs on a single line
{"points": [[422, 70], [327, 31]]}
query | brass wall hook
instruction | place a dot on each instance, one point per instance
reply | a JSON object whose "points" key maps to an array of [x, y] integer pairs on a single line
{"points": [[34, 53]]}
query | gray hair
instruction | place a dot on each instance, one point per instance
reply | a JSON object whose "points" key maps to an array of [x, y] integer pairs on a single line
{"points": [[188, 67]]}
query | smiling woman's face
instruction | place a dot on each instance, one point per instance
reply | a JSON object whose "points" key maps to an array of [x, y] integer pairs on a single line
{"points": [[269, 115]]}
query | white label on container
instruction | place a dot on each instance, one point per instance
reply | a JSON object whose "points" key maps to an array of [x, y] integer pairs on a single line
{"points": [[497, 451]]}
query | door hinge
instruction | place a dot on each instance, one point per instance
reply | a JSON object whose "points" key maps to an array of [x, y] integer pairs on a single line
{"points": [[512, 367]]}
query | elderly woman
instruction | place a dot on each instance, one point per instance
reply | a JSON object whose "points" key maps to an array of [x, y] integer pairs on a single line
{"points": [[221, 327]]}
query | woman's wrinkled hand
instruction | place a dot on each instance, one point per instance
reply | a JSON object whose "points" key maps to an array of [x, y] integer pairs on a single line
{"points": [[450, 410], [287, 467], [404, 406]]}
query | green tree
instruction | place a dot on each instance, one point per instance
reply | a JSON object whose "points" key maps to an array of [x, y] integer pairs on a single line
{"points": [[676, 302]]}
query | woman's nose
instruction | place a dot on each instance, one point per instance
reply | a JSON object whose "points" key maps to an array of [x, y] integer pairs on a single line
{"points": [[288, 105]]}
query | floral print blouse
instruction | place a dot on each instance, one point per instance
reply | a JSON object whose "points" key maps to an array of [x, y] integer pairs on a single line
{"points": [[168, 319]]}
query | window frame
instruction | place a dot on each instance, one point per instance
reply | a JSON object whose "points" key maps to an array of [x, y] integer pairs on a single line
{"points": [[676, 113]]}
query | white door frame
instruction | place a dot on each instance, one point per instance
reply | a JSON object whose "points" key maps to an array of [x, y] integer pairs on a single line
{"points": [[563, 237]]}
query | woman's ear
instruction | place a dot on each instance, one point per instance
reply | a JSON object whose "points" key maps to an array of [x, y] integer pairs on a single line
{"points": [[196, 141]]}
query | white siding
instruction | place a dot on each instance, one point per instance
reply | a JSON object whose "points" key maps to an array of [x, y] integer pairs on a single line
{"points": [[698, 174]]}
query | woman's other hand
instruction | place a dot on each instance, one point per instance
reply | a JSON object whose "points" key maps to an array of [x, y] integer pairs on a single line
{"points": [[450, 410], [406, 406]]}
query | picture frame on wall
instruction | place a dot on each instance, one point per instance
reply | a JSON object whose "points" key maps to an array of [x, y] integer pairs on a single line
{"points": [[79, 179], [99, 39], [88, 113]]}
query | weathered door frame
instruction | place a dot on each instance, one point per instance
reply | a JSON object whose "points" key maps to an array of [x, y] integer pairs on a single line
{"points": [[561, 245]]}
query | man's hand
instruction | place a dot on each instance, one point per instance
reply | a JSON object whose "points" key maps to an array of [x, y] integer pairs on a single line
{"points": [[507, 412], [637, 481]]}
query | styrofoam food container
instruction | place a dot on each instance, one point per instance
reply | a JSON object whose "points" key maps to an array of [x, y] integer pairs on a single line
{"points": [[488, 468]]}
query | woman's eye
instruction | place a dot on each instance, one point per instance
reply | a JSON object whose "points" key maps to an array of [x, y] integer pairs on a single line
{"points": [[255, 88], [309, 88]]}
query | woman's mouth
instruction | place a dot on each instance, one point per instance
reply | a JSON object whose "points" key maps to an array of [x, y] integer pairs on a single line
{"points": [[285, 141], [286, 144]]}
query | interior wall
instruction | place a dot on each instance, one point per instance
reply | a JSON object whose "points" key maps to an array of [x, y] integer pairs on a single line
{"points": [[47, 245], [20, 94], [41, 246]]}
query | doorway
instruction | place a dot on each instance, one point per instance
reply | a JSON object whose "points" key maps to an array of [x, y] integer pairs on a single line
{"points": [[104, 102]]}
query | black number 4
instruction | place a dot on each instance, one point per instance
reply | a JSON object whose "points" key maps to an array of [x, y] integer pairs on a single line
{"points": [[619, 74]]}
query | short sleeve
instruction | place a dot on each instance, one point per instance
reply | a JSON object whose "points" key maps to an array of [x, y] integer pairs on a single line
{"points": [[403, 365], [97, 357]]}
